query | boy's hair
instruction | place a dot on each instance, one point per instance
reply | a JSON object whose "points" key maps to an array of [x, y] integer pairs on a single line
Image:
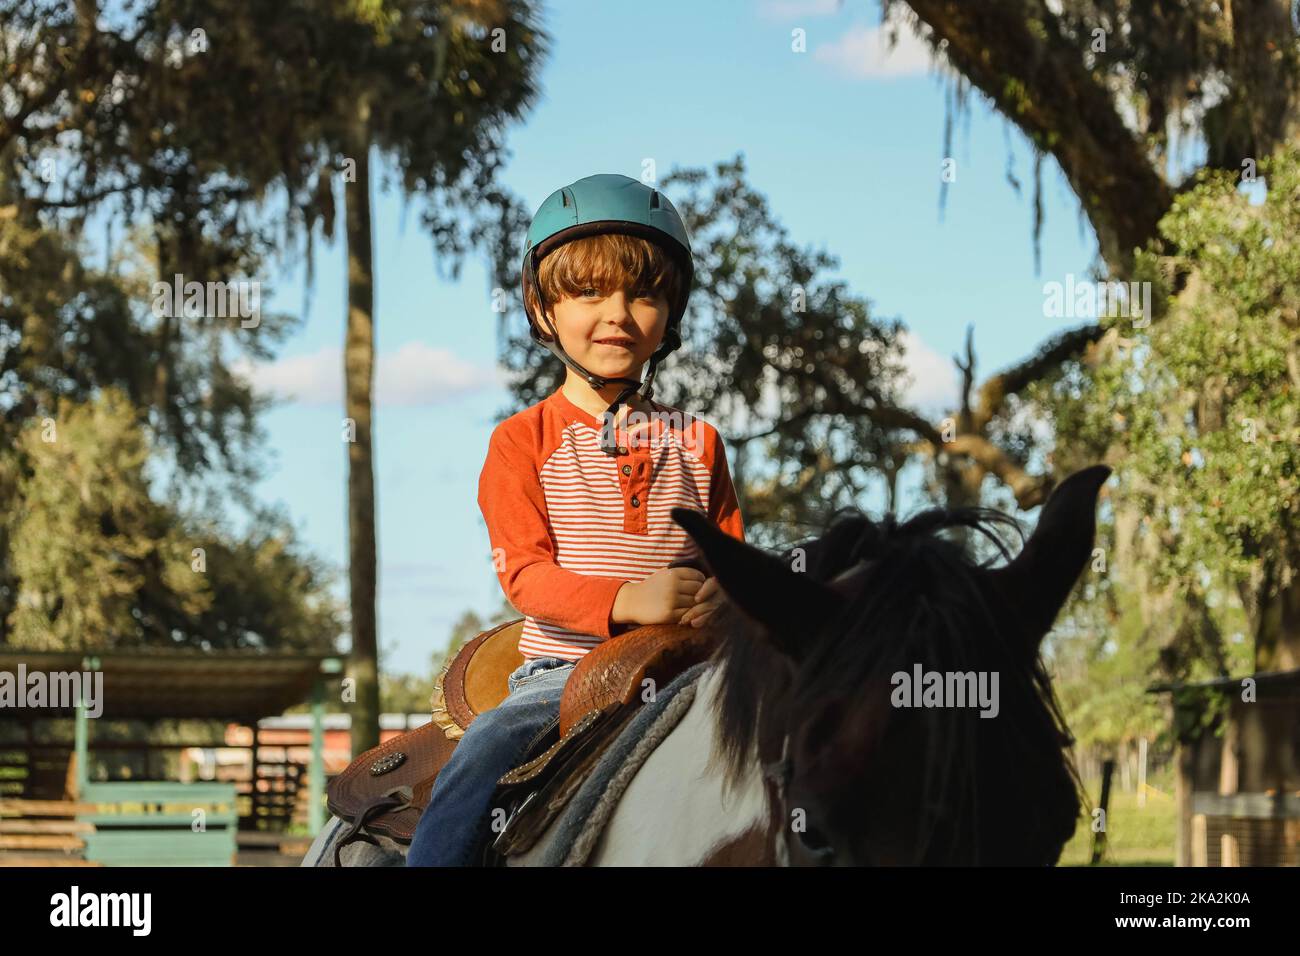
{"points": [[606, 262]]}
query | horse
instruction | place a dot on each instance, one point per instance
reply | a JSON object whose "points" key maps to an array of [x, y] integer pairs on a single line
{"points": [[877, 697]]}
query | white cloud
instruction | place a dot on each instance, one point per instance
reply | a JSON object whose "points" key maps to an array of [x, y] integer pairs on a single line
{"points": [[932, 378], [794, 9], [419, 375], [865, 53], [414, 375], [312, 379]]}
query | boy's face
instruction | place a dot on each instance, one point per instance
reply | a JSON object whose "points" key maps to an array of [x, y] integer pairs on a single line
{"points": [[614, 333]]}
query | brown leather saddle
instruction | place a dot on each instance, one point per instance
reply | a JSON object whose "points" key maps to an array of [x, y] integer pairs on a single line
{"points": [[385, 790]]}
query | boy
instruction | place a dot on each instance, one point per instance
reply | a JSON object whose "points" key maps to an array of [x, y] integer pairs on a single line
{"points": [[576, 490]]}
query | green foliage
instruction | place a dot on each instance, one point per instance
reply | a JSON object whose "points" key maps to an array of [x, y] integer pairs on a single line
{"points": [[64, 329], [100, 564], [268, 592], [88, 557], [1200, 411], [1206, 401], [1158, 56], [1135, 835], [1103, 664], [85, 536], [67, 330]]}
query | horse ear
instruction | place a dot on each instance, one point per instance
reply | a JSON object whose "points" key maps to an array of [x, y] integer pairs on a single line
{"points": [[1036, 584], [789, 604]]}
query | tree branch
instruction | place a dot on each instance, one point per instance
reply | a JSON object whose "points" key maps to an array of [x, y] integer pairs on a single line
{"points": [[1015, 52], [1029, 490], [994, 392]]}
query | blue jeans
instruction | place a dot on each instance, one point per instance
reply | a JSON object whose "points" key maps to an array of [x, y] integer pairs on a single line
{"points": [[456, 822]]}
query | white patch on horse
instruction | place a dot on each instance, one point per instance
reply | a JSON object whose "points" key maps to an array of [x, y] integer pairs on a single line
{"points": [[677, 811]]}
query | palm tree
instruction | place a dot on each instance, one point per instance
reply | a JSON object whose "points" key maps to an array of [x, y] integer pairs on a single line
{"points": [[430, 90]]}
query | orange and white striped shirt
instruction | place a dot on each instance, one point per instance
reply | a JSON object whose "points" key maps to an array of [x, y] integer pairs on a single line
{"points": [[570, 524]]}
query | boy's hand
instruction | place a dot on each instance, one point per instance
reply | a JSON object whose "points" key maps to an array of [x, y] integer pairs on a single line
{"points": [[661, 598], [707, 600]]}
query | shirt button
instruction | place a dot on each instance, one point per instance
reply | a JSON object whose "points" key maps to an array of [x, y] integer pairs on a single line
{"points": [[627, 469], [636, 502], [622, 450]]}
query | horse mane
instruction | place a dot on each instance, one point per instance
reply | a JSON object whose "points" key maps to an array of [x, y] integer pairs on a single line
{"points": [[920, 600]]}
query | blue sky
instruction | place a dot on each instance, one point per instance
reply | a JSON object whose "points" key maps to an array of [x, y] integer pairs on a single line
{"points": [[846, 143]]}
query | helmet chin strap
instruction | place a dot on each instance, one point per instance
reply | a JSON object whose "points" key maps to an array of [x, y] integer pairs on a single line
{"points": [[643, 389]]}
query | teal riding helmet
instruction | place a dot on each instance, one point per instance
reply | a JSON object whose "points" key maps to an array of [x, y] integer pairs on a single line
{"points": [[607, 203]]}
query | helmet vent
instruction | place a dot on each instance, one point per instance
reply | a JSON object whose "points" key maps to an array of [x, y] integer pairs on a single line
{"points": [[654, 199]]}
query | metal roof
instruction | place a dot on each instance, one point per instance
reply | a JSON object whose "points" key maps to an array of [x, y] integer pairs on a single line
{"points": [[182, 683]]}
